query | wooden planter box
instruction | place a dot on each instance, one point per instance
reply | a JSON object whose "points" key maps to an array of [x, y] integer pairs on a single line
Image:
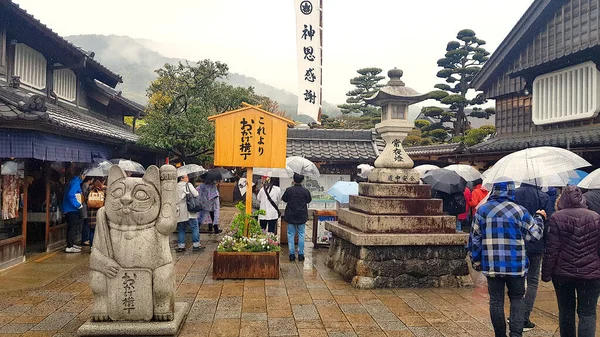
{"points": [[237, 265]]}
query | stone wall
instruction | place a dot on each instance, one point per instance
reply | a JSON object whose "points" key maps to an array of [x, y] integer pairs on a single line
{"points": [[399, 266]]}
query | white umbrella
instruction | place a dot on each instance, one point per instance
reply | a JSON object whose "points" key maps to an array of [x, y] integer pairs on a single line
{"points": [[302, 166], [538, 162], [190, 169], [363, 170], [129, 165], [99, 169], [466, 171], [422, 169], [273, 172], [592, 181], [9, 168]]}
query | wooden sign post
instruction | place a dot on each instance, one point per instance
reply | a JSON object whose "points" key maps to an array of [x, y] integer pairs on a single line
{"points": [[250, 137]]}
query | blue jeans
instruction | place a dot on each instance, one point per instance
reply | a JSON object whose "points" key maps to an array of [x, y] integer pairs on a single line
{"points": [[291, 233], [182, 226], [533, 280], [516, 290]]}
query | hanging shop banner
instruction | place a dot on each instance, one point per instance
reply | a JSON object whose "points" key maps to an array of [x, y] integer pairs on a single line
{"points": [[309, 34]]}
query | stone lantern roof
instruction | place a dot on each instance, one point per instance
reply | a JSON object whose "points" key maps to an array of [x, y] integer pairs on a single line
{"points": [[396, 90]]}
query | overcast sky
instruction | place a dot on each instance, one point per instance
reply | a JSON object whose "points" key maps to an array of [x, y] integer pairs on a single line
{"points": [[257, 38]]}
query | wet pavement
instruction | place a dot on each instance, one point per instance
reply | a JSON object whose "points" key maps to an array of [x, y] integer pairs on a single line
{"points": [[50, 296]]}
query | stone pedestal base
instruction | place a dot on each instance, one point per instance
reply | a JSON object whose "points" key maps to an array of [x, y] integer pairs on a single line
{"points": [[399, 266], [126, 328], [394, 176]]}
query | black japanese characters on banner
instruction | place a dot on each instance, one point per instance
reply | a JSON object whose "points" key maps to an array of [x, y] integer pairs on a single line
{"points": [[261, 132], [307, 34], [246, 137]]}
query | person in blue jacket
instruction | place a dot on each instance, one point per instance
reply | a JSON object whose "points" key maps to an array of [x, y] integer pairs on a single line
{"points": [[72, 206]]}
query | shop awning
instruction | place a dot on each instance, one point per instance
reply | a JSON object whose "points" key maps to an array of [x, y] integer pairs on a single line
{"points": [[43, 146]]}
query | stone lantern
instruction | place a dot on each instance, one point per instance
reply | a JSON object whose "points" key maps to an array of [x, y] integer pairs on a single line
{"points": [[393, 234], [394, 100]]}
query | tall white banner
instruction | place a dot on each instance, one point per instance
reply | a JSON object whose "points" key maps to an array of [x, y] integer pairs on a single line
{"points": [[309, 35]]}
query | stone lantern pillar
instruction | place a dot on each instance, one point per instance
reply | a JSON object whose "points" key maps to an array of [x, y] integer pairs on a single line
{"points": [[393, 165], [393, 234]]}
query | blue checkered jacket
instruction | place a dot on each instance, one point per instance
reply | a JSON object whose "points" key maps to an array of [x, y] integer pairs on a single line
{"points": [[500, 229]]}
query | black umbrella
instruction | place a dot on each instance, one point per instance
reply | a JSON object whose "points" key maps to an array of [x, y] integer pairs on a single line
{"points": [[217, 174], [445, 181]]}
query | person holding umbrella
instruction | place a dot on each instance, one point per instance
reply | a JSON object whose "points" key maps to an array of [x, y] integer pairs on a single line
{"points": [[530, 196], [572, 263], [297, 198], [450, 187], [269, 197], [500, 230], [186, 217], [209, 196]]}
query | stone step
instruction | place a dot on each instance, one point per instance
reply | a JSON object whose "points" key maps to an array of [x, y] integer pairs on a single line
{"points": [[395, 206], [359, 238], [397, 223], [394, 190]]}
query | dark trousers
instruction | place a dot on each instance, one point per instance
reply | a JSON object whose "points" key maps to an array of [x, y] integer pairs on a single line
{"points": [[516, 290], [533, 280], [269, 225], [585, 301], [73, 221], [85, 231]]}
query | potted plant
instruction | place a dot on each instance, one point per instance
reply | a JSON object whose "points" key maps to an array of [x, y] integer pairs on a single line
{"points": [[255, 255]]}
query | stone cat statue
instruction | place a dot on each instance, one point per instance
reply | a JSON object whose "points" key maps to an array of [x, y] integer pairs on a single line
{"points": [[131, 243]]}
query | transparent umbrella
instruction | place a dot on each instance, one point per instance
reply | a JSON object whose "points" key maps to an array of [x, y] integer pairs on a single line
{"points": [[191, 169], [129, 165], [273, 172], [466, 171], [538, 162], [422, 169], [591, 181], [99, 169], [302, 166]]}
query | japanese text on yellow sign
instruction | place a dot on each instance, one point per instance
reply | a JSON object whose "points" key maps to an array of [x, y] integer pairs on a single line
{"points": [[250, 137]]}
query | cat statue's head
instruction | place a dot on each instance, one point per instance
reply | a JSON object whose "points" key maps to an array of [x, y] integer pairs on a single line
{"points": [[132, 203]]}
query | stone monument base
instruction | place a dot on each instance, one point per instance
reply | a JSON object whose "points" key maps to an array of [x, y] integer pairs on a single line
{"points": [[398, 260], [127, 328]]}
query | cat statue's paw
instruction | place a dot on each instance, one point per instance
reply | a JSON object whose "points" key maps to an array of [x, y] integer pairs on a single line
{"points": [[100, 317], [163, 317]]}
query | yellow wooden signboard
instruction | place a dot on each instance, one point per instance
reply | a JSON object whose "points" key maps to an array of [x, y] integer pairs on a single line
{"points": [[250, 137]]}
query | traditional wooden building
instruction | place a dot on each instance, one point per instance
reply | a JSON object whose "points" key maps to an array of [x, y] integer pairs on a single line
{"points": [[545, 80], [58, 108]]}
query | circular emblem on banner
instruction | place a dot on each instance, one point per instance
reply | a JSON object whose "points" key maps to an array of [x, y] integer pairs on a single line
{"points": [[306, 7]]}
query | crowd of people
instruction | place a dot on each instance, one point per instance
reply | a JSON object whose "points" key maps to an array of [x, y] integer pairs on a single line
{"points": [[518, 232]]}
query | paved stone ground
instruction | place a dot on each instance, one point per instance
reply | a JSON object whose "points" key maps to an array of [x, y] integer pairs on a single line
{"points": [[50, 297]]}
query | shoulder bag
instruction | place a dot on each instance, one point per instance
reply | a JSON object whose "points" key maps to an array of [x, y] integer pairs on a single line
{"points": [[194, 203], [272, 202]]}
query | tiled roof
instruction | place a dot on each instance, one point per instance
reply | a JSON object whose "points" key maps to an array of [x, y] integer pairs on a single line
{"points": [[85, 123], [436, 149], [68, 45], [332, 145], [573, 137], [54, 115], [116, 95]]}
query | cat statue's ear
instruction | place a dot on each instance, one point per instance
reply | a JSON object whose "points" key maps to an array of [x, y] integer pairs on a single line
{"points": [[152, 176], [115, 173]]}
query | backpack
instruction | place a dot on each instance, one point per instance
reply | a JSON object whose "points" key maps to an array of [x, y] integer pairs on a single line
{"points": [[194, 204], [456, 204]]}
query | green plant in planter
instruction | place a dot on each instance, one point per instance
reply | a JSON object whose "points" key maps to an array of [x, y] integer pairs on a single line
{"points": [[239, 222], [257, 241]]}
